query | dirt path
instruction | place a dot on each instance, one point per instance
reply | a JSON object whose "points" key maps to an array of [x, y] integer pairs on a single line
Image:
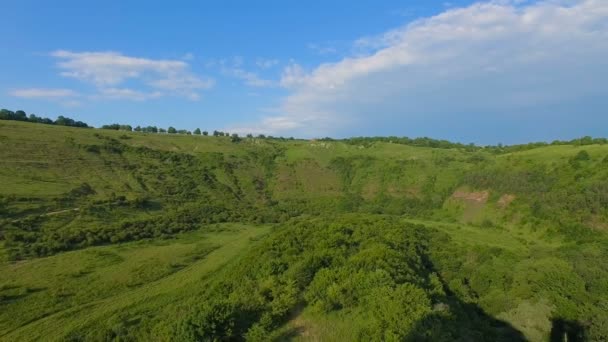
{"points": [[60, 212], [51, 213]]}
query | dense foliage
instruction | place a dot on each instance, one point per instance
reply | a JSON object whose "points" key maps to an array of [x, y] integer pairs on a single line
{"points": [[375, 271], [180, 193], [20, 115]]}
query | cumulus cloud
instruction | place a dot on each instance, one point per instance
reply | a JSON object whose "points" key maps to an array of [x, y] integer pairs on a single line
{"points": [[107, 70], [43, 93], [487, 60], [249, 78], [126, 94], [234, 68]]}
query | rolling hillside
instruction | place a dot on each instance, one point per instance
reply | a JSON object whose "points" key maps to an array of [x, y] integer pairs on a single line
{"points": [[136, 236]]}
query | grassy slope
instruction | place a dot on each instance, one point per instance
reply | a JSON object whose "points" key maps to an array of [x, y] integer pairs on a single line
{"points": [[76, 289], [39, 160]]}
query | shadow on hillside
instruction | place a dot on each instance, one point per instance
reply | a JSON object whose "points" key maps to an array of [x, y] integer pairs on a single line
{"points": [[563, 330], [13, 293], [290, 334], [454, 320], [295, 331]]}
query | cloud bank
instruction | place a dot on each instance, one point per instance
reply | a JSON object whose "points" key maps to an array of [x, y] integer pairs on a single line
{"points": [[43, 93], [109, 71], [500, 60], [106, 70]]}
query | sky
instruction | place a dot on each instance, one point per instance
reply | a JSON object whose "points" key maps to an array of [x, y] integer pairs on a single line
{"points": [[487, 72]]}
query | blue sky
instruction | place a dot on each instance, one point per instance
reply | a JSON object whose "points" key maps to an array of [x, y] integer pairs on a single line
{"points": [[505, 71]]}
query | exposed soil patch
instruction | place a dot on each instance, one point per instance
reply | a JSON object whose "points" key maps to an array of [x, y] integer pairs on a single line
{"points": [[474, 203], [478, 197], [505, 200], [598, 223], [370, 190]]}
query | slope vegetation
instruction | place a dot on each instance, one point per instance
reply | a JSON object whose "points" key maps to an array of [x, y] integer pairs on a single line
{"points": [[132, 236]]}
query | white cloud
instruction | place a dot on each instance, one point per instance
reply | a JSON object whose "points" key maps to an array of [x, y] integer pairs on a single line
{"points": [[126, 94], [71, 103], [65, 97], [485, 59], [234, 67], [43, 93], [293, 75], [250, 78], [112, 68], [184, 85], [107, 70], [264, 63]]}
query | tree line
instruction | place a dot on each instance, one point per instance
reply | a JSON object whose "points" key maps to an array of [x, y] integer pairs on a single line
{"points": [[20, 115], [234, 137], [154, 129], [445, 144]]}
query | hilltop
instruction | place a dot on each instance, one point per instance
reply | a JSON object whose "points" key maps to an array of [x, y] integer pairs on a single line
{"points": [[198, 237]]}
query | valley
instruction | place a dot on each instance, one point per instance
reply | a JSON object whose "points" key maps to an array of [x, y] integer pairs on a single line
{"points": [[118, 235]]}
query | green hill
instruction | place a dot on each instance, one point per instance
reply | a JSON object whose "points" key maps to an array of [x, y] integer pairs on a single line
{"points": [[114, 235]]}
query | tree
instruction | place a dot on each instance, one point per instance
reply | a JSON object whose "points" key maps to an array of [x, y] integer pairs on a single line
{"points": [[216, 133], [171, 130], [20, 116], [6, 114], [112, 126], [147, 129], [586, 140], [582, 155], [205, 133], [62, 121], [137, 129], [197, 131]]}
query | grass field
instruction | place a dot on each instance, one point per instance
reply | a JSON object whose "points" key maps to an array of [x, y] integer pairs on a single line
{"points": [[62, 293]]}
